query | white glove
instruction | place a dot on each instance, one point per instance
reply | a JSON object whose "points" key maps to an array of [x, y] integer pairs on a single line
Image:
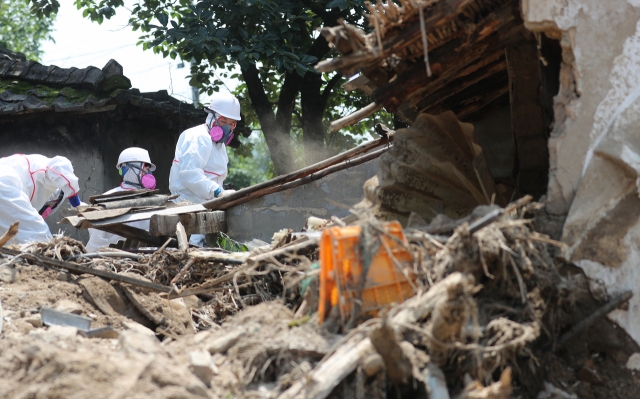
{"points": [[226, 193]]}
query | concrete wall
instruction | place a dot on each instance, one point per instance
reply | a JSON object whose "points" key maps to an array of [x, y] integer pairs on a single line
{"points": [[92, 142], [594, 180], [329, 196]]}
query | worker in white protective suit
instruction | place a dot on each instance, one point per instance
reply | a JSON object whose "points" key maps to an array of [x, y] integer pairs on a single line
{"points": [[200, 163], [29, 184], [136, 169]]}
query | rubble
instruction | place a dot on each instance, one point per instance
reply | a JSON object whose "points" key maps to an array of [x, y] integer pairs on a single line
{"points": [[490, 300]]}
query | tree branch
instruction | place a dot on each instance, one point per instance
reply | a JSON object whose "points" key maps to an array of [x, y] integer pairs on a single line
{"points": [[258, 96], [329, 87]]}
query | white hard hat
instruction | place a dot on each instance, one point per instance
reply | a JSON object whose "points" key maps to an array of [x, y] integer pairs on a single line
{"points": [[135, 154], [226, 105]]}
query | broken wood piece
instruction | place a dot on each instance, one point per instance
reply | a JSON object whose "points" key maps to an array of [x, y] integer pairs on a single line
{"points": [[83, 269], [194, 223], [121, 194], [154, 200], [236, 197], [9, 234], [118, 254], [183, 241], [372, 364], [500, 389], [82, 223], [132, 233], [215, 256], [290, 248], [329, 373], [600, 312], [398, 365], [183, 271], [355, 117]]}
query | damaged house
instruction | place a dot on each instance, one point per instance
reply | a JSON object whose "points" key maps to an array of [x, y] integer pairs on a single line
{"points": [[499, 229]]}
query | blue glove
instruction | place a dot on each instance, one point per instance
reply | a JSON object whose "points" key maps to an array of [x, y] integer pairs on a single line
{"points": [[74, 200], [217, 192]]}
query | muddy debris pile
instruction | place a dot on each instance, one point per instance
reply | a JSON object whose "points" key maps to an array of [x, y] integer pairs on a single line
{"points": [[471, 308]]}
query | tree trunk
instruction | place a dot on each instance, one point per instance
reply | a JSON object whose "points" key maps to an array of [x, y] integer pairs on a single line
{"points": [[313, 131], [276, 127]]}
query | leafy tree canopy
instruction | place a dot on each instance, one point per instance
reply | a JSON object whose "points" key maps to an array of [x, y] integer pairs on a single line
{"points": [[22, 31]]}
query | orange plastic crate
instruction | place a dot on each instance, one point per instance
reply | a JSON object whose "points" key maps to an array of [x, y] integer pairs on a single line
{"points": [[341, 272]]}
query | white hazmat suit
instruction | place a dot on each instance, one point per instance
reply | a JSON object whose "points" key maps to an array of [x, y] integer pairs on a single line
{"points": [[199, 166], [26, 183], [200, 163], [135, 165]]}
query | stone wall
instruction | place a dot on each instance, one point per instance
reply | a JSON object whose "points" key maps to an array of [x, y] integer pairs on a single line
{"points": [[595, 146]]}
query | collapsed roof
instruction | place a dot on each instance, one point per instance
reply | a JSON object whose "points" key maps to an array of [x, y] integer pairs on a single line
{"points": [[466, 70]]}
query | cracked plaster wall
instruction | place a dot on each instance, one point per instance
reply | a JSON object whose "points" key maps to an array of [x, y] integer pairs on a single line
{"points": [[595, 145], [330, 196]]}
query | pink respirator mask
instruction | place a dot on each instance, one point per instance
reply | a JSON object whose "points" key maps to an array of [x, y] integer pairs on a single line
{"points": [[221, 134]]}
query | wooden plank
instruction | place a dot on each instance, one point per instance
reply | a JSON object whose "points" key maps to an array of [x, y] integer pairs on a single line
{"points": [[194, 223], [134, 217], [155, 200], [120, 195]]}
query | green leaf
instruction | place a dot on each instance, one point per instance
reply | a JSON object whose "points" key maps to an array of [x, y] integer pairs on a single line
{"points": [[222, 33], [301, 69]]}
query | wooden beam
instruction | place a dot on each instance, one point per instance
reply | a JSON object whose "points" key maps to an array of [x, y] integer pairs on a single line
{"points": [[527, 118], [498, 30], [467, 78], [473, 100], [194, 223]]}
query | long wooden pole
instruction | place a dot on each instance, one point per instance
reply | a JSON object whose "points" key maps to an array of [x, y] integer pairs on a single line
{"points": [[250, 194], [237, 197]]}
